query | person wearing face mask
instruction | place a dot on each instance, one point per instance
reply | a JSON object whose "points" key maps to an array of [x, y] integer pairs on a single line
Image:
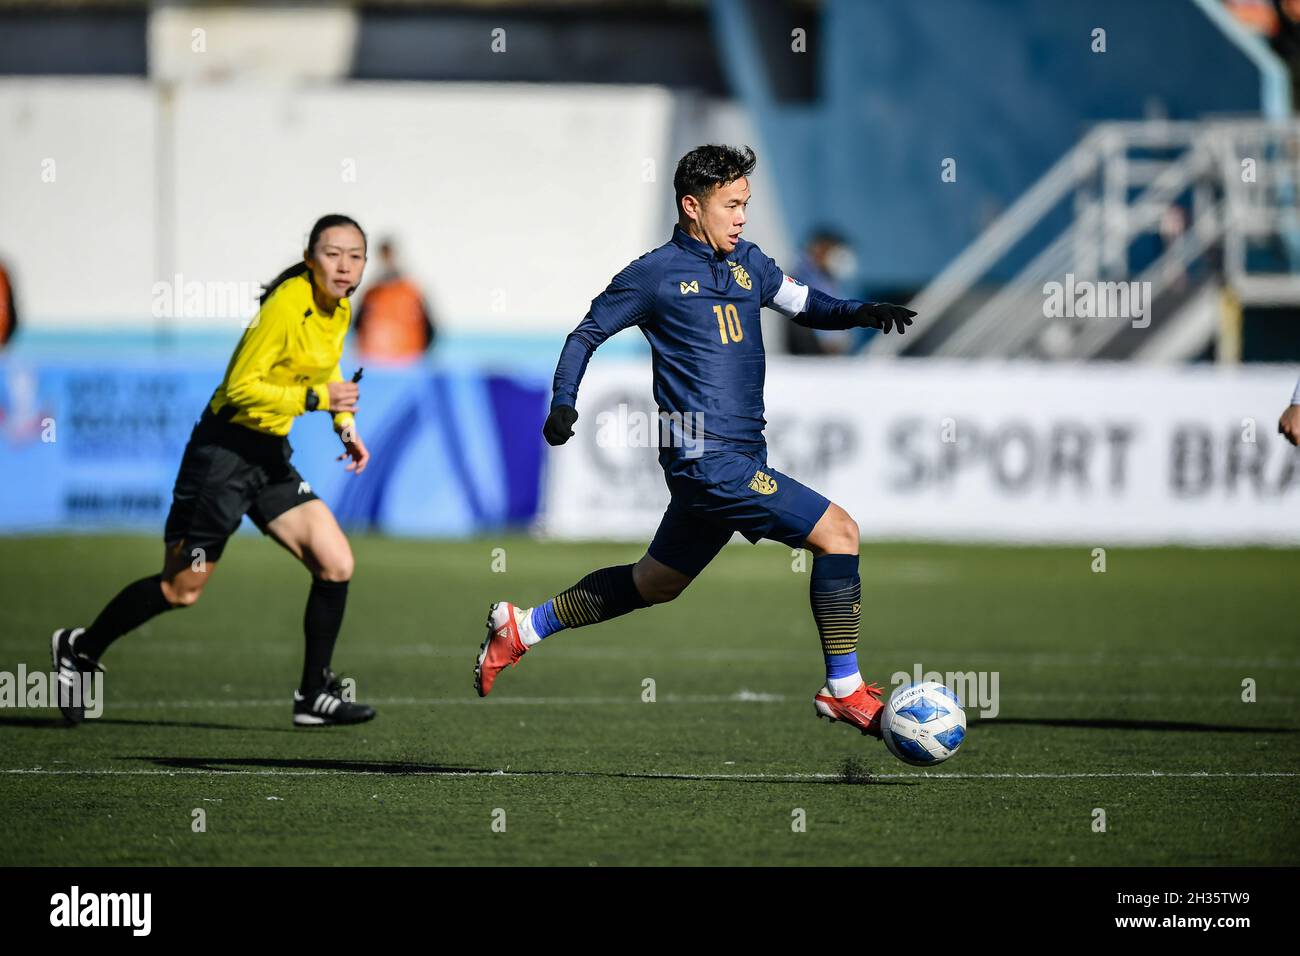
{"points": [[827, 263]]}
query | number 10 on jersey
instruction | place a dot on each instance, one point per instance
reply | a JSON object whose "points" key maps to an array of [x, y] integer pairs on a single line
{"points": [[729, 323]]}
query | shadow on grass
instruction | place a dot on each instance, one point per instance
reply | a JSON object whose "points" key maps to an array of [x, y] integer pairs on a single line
{"points": [[1102, 723], [236, 765], [38, 723], [58, 723]]}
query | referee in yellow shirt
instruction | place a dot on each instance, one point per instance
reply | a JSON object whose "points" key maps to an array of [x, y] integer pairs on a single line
{"points": [[238, 462]]}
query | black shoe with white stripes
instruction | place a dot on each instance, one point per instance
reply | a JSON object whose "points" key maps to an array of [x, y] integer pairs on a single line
{"points": [[69, 665], [327, 706]]}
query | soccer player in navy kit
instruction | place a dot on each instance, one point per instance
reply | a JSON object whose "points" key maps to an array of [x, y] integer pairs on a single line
{"points": [[697, 300]]}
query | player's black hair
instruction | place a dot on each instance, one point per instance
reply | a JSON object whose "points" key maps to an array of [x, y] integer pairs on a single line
{"points": [[707, 167], [300, 268]]}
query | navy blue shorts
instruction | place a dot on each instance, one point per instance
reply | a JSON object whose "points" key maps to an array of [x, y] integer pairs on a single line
{"points": [[724, 492]]}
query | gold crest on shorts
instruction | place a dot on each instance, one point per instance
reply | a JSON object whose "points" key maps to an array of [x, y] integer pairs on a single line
{"points": [[763, 483]]}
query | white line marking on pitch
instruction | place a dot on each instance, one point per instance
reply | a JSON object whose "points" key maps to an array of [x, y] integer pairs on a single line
{"points": [[741, 697], [950, 659], [649, 775], [999, 658]]}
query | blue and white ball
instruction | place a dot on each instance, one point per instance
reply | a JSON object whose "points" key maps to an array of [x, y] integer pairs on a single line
{"points": [[923, 724]]}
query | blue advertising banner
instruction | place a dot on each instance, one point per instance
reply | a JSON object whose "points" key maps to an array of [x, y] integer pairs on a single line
{"points": [[89, 447]]}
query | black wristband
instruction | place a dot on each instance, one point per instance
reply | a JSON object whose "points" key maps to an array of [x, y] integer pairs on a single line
{"points": [[313, 399]]}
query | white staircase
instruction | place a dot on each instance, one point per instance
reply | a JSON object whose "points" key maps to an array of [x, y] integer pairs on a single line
{"points": [[1206, 205]]}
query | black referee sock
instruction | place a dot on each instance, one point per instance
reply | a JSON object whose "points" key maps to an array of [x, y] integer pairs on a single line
{"points": [[134, 604], [601, 595], [320, 623]]}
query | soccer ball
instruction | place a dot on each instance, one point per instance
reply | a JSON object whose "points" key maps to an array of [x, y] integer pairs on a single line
{"points": [[923, 724]]}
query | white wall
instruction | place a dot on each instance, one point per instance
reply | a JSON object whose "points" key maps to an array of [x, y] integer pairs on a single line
{"points": [[514, 204], [278, 44], [77, 197]]}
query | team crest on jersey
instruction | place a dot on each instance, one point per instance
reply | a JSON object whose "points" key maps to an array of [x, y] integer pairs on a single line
{"points": [[762, 482], [741, 276], [692, 286]]}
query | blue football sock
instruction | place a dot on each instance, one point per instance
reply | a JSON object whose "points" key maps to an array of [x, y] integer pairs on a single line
{"points": [[545, 623]]}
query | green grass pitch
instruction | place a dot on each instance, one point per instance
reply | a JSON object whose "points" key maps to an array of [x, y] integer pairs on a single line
{"points": [[1119, 691]]}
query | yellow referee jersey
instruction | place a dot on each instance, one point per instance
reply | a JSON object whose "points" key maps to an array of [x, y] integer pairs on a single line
{"points": [[287, 349]]}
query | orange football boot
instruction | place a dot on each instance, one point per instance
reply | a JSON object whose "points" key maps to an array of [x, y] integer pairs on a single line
{"points": [[501, 648], [861, 709]]}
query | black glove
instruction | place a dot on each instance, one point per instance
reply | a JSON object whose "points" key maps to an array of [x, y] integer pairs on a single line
{"points": [[883, 316], [559, 424]]}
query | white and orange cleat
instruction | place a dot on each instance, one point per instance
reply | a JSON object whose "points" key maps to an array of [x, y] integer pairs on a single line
{"points": [[861, 709], [501, 648]]}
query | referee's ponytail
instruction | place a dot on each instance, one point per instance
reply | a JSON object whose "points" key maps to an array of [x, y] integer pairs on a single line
{"points": [[300, 268]]}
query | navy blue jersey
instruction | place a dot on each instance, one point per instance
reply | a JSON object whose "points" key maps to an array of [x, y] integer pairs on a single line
{"points": [[699, 310]]}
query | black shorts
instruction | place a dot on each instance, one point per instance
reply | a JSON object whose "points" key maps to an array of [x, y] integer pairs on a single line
{"points": [[229, 471]]}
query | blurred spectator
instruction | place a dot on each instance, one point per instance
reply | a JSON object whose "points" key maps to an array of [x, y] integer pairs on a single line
{"points": [[1279, 22], [1286, 43], [1173, 225], [1257, 15], [393, 323], [8, 312], [825, 264], [1289, 423]]}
